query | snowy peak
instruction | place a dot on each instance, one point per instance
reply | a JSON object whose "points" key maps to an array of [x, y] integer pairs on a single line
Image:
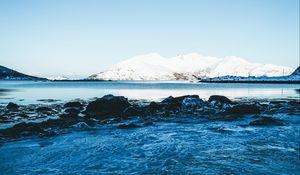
{"points": [[186, 67]]}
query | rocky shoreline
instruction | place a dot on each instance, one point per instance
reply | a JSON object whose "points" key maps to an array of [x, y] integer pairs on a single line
{"points": [[44, 120]]}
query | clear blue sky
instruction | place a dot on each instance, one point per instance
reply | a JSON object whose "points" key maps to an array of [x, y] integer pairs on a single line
{"points": [[64, 37]]}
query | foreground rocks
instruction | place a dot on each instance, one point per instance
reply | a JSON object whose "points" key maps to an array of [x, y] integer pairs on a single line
{"points": [[107, 106], [56, 118]]}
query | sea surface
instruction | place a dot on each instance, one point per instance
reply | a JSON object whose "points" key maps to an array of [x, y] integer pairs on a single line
{"points": [[31, 91], [173, 146]]}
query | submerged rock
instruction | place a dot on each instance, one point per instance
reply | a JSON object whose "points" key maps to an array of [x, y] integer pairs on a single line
{"points": [[243, 109], [72, 111], [81, 125], [43, 109], [220, 98], [74, 104], [133, 111], [22, 129], [267, 121], [12, 106], [128, 126], [107, 105]]}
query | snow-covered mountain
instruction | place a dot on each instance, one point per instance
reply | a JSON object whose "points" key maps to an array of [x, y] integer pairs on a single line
{"points": [[57, 78], [186, 67]]}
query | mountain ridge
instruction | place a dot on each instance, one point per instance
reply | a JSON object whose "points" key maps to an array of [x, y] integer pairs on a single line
{"points": [[10, 74], [186, 67]]}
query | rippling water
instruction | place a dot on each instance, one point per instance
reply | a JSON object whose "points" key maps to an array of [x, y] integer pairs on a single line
{"points": [[171, 146], [30, 91]]}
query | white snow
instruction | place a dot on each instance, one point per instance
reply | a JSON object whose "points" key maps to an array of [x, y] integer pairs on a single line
{"points": [[185, 67], [57, 78]]}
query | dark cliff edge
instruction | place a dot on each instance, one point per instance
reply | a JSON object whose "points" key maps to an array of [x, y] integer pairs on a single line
{"points": [[10, 74]]}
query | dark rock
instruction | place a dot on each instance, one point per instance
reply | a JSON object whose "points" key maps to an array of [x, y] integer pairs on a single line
{"points": [[107, 105], [294, 102], [267, 121], [191, 102], [176, 102], [277, 102], [220, 98], [72, 111], [43, 109], [243, 109], [154, 107], [48, 100], [256, 116], [91, 122], [12, 106], [148, 123], [128, 126], [22, 129], [133, 111], [74, 104], [178, 99]]}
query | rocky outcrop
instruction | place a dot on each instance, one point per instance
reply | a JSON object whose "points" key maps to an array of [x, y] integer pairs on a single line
{"points": [[12, 106], [267, 121], [220, 98], [108, 105], [118, 111], [243, 109]]}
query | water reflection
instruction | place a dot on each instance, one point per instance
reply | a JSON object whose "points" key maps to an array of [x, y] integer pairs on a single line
{"points": [[33, 91], [5, 91]]}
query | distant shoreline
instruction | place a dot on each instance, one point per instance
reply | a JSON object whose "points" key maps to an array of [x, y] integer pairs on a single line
{"points": [[83, 80], [249, 81]]}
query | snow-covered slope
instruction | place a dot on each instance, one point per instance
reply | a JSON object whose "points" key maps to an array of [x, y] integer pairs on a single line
{"points": [[186, 67]]}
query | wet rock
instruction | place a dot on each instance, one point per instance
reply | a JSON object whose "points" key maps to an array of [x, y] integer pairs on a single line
{"points": [[12, 106], [294, 102], [43, 109], [91, 121], [148, 123], [191, 102], [48, 100], [74, 104], [154, 107], [133, 111], [107, 105], [277, 102], [267, 121], [72, 111], [81, 125], [220, 98], [128, 126], [243, 109], [23, 115], [176, 102], [178, 99], [22, 129]]}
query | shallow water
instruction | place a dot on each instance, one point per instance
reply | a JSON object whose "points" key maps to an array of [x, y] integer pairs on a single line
{"points": [[31, 91], [171, 147], [168, 146]]}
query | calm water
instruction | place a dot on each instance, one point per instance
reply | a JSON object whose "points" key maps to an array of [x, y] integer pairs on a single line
{"points": [[30, 91], [173, 146]]}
